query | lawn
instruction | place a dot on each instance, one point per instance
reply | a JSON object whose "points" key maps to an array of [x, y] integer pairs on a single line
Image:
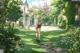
{"points": [[30, 45]]}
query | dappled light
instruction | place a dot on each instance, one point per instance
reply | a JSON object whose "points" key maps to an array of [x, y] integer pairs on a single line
{"points": [[39, 49], [39, 26]]}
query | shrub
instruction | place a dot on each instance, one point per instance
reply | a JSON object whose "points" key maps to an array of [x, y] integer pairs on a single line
{"points": [[62, 24], [74, 40], [8, 40]]}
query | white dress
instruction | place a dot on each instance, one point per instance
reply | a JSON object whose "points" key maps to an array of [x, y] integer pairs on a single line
{"points": [[36, 21]]}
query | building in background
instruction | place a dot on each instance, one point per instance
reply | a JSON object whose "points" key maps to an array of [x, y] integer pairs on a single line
{"points": [[29, 5]]}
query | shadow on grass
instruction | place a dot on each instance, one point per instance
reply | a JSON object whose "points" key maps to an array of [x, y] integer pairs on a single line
{"points": [[56, 37], [52, 35], [32, 46]]}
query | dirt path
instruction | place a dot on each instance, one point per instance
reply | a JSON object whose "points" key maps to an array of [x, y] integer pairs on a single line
{"points": [[49, 48]]}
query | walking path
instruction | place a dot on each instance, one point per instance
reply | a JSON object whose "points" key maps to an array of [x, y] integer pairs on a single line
{"points": [[45, 46], [47, 28], [48, 46], [50, 49]]}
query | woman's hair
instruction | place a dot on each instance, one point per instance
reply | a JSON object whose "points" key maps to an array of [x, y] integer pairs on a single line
{"points": [[38, 16]]}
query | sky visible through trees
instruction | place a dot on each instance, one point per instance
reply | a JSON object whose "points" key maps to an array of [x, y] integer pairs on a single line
{"points": [[37, 2], [17, 30]]}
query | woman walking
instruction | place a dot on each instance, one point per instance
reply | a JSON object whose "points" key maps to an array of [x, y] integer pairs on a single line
{"points": [[38, 27]]}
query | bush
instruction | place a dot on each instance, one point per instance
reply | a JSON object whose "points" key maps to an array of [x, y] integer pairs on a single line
{"points": [[62, 24], [74, 40], [8, 40]]}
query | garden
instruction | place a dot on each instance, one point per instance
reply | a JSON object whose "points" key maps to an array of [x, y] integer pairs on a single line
{"points": [[60, 32]]}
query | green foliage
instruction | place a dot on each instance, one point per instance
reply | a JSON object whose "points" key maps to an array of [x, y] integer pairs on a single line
{"points": [[10, 11], [57, 8], [21, 21], [14, 14], [70, 12], [2, 12], [13, 11], [8, 39], [73, 40], [62, 24]]}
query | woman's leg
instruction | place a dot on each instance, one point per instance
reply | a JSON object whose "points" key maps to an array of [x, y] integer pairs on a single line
{"points": [[36, 33], [39, 30]]}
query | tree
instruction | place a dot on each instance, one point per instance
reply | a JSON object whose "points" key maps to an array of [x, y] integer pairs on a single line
{"points": [[9, 11], [68, 6], [70, 12]]}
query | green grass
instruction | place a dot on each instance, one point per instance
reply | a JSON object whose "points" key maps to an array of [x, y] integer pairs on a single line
{"points": [[30, 45]]}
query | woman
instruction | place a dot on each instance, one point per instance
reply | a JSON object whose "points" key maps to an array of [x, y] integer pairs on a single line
{"points": [[38, 27]]}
